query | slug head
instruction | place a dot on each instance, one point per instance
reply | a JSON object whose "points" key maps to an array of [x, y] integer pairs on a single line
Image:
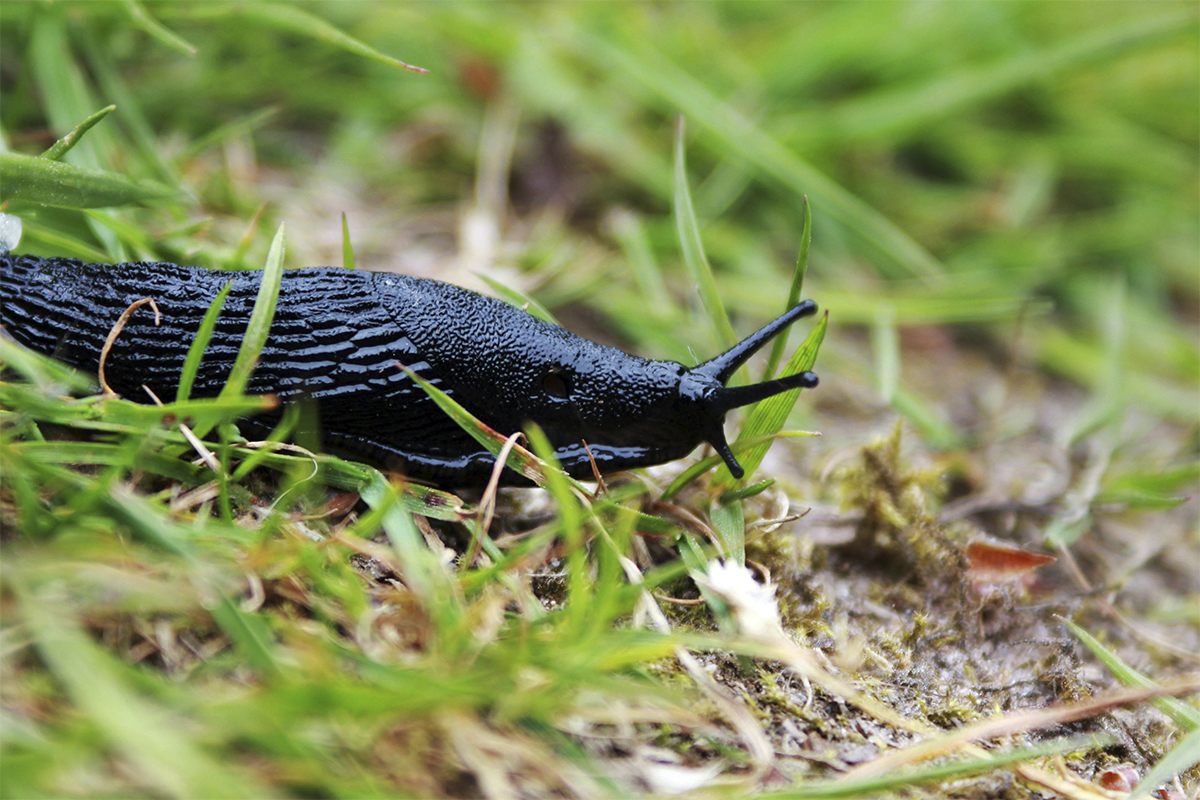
{"points": [[635, 412], [509, 368], [708, 400]]}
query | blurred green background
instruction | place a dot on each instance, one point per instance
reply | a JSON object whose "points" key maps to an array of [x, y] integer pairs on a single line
{"points": [[1006, 234]]}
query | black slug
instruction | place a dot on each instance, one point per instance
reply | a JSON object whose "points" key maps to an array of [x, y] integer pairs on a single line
{"points": [[338, 336]]}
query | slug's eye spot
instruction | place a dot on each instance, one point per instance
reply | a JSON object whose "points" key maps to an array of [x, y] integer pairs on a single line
{"points": [[555, 385]]}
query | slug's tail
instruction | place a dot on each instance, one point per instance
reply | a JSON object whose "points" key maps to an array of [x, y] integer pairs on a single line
{"points": [[721, 369]]}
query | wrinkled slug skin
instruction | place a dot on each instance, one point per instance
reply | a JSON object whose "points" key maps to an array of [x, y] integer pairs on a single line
{"points": [[338, 337]]}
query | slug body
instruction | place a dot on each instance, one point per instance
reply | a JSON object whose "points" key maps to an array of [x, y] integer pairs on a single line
{"points": [[338, 338]]}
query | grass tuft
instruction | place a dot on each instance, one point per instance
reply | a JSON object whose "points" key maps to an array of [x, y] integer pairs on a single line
{"points": [[1002, 232]]}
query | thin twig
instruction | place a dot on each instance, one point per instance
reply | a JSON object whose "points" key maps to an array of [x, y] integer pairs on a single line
{"points": [[601, 488], [206, 455], [679, 601], [116, 331], [487, 504]]}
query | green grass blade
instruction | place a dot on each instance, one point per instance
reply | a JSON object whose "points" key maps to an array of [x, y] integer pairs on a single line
{"points": [[289, 420], [128, 233], [695, 556], [730, 521], [253, 342], [53, 183], [733, 495], [954, 300], [571, 519], [780, 344], [1182, 757], [101, 454], [137, 728], [68, 98], [122, 416], [520, 460], [145, 522], [885, 342], [1184, 715], [130, 416], [297, 20], [50, 376], [1155, 490], [156, 30], [347, 246], [58, 242], [242, 126], [132, 118], [559, 486], [63, 146], [769, 416], [895, 112], [518, 298], [64, 89], [875, 786], [191, 364], [630, 233], [423, 573], [740, 135], [938, 432], [259, 325], [693, 249], [249, 635], [434, 503], [340, 474], [739, 447]]}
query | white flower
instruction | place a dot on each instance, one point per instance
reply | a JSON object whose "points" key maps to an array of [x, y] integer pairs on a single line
{"points": [[753, 604], [10, 232]]}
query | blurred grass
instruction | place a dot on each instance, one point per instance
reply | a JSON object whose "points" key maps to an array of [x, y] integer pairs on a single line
{"points": [[989, 170]]}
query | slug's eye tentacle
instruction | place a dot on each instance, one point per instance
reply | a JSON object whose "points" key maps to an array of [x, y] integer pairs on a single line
{"points": [[733, 397], [718, 400], [723, 366]]}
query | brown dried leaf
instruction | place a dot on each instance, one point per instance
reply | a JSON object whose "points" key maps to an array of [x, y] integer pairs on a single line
{"points": [[995, 563]]}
